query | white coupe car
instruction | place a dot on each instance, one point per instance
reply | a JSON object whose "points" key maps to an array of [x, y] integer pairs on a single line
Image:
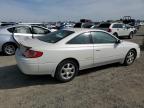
{"points": [[63, 53]]}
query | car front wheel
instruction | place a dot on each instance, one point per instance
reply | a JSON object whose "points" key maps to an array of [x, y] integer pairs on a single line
{"points": [[66, 71], [130, 57]]}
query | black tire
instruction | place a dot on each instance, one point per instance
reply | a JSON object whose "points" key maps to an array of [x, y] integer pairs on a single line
{"points": [[130, 35], [116, 35], [9, 49], [62, 72], [130, 57]]}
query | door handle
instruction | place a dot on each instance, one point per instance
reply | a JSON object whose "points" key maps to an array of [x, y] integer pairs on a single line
{"points": [[98, 50]]}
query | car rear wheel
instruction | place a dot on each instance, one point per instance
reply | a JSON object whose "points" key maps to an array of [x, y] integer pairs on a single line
{"points": [[66, 71], [9, 49], [131, 35], [130, 57]]}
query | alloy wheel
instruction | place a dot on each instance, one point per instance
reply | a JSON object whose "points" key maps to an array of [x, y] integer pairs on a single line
{"points": [[130, 57], [67, 71], [9, 49]]}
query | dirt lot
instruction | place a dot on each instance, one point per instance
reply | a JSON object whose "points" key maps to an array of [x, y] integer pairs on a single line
{"points": [[111, 86]]}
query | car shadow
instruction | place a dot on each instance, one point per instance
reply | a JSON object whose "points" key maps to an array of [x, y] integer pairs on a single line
{"points": [[142, 47], [1, 54], [91, 70], [140, 35], [11, 77]]}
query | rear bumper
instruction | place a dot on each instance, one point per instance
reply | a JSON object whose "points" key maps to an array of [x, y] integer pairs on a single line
{"points": [[29, 67]]}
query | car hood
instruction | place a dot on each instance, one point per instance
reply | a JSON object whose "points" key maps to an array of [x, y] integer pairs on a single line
{"points": [[130, 43]]}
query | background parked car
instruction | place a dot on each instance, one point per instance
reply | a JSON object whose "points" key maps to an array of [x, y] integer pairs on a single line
{"points": [[117, 29], [83, 25], [132, 28], [7, 43]]}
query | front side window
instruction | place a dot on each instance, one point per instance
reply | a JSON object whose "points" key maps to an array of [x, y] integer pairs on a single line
{"points": [[39, 30], [24, 30], [54, 37], [81, 39], [102, 37]]}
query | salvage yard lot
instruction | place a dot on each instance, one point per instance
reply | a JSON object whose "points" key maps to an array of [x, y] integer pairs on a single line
{"points": [[110, 86]]}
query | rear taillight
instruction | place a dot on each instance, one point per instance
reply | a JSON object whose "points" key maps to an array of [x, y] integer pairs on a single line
{"points": [[109, 30], [32, 54]]}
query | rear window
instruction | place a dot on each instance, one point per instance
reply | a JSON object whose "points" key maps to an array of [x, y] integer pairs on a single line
{"points": [[55, 36]]}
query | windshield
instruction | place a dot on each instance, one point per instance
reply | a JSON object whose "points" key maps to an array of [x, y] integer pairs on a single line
{"points": [[55, 36]]}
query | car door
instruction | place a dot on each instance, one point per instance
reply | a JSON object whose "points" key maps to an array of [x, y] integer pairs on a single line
{"points": [[115, 29], [125, 30], [121, 30], [82, 49], [106, 48], [39, 31]]}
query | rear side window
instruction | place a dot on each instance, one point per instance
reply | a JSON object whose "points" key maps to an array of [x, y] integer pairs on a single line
{"points": [[81, 39]]}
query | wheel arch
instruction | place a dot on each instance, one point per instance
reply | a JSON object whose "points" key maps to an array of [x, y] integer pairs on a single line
{"points": [[134, 50], [70, 58]]}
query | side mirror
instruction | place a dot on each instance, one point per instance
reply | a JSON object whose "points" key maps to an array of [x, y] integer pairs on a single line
{"points": [[118, 41]]}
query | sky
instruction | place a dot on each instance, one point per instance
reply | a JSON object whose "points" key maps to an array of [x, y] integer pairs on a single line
{"points": [[66, 10]]}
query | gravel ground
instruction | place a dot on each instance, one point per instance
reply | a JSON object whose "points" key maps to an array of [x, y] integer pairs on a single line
{"points": [[111, 86]]}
